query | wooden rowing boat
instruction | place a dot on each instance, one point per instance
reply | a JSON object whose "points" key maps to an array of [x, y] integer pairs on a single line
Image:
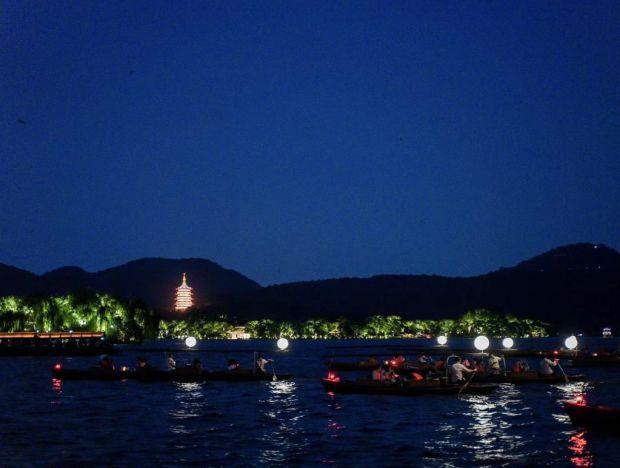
{"points": [[529, 378], [156, 375], [598, 417], [410, 388], [93, 373]]}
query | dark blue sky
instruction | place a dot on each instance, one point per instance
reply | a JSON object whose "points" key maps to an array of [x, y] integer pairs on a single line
{"points": [[304, 140]]}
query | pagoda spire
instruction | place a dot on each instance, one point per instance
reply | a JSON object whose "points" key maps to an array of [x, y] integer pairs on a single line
{"points": [[183, 296]]}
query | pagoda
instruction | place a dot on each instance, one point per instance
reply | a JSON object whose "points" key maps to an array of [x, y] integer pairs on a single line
{"points": [[183, 296]]}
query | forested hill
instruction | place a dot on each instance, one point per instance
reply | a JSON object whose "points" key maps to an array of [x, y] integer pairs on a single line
{"points": [[575, 287]]}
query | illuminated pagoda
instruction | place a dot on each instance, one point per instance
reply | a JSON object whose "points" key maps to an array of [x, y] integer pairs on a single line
{"points": [[183, 296]]}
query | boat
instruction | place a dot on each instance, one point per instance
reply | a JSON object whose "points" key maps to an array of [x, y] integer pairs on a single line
{"points": [[529, 378], [407, 388], [92, 373], [156, 375], [191, 375], [596, 417], [244, 376]]}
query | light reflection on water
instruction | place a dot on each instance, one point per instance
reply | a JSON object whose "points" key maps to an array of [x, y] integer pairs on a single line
{"points": [[284, 434], [578, 445]]}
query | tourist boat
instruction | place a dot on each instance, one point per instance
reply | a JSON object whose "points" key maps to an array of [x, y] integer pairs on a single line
{"points": [[597, 417], [333, 384], [54, 344], [191, 375], [92, 373], [529, 378], [157, 375]]}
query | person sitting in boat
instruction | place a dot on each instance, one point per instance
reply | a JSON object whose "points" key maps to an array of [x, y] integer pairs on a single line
{"points": [[196, 365], [398, 361], [494, 365], [520, 367], [261, 364], [547, 365], [440, 365], [107, 363], [456, 372], [425, 360], [172, 364], [517, 367], [480, 366], [233, 365], [143, 363]]}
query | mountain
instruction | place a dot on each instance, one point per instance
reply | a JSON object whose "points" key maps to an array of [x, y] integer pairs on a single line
{"points": [[575, 287], [14, 281], [150, 279]]}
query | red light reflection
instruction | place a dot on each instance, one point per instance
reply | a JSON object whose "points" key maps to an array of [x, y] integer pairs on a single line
{"points": [[57, 385], [581, 456]]}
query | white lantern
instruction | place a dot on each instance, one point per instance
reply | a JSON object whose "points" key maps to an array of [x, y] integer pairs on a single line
{"points": [[442, 340], [571, 342], [282, 344], [508, 343], [481, 343], [190, 341]]}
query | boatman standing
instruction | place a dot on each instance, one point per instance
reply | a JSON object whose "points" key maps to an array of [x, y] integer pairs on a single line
{"points": [[261, 364], [547, 365], [172, 364], [456, 372], [494, 365]]}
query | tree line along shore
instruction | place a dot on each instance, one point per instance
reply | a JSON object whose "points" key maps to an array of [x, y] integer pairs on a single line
{"points": [[134, 321]]}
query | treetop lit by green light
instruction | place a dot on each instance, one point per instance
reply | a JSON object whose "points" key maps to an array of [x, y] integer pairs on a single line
{"points": [[134, 321]]}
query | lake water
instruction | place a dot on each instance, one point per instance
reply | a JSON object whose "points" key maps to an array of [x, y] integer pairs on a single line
{"points": [[48, 422]]}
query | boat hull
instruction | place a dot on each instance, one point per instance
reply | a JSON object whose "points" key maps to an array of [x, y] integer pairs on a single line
{"points": [[417, 388], [597, 417], [155, 375], [529, 378]]}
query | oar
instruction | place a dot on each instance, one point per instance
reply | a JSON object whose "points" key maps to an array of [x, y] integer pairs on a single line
{"points": [[565, 376], [273, 369], [466, 384]]}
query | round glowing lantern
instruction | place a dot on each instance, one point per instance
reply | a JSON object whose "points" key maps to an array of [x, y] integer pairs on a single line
{"points": [[571, 342], [442, 340], [508, 343], [190, 341], [282, 344], [481, 343]]}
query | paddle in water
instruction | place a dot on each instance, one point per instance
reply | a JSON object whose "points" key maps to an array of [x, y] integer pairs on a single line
{"points": [[466, 384]]}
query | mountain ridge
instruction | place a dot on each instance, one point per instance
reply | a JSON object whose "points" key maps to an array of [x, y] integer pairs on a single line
{"points": [[575, 285]]}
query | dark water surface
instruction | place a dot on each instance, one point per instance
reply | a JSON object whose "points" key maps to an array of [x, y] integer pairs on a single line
{"points": [[283, 423]]}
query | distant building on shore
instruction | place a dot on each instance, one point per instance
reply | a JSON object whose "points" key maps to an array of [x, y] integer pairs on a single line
{"points": [[183, 296], [238, 333]]}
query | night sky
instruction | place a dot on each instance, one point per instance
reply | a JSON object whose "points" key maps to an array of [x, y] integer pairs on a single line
{"points": [[306, 140]]}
